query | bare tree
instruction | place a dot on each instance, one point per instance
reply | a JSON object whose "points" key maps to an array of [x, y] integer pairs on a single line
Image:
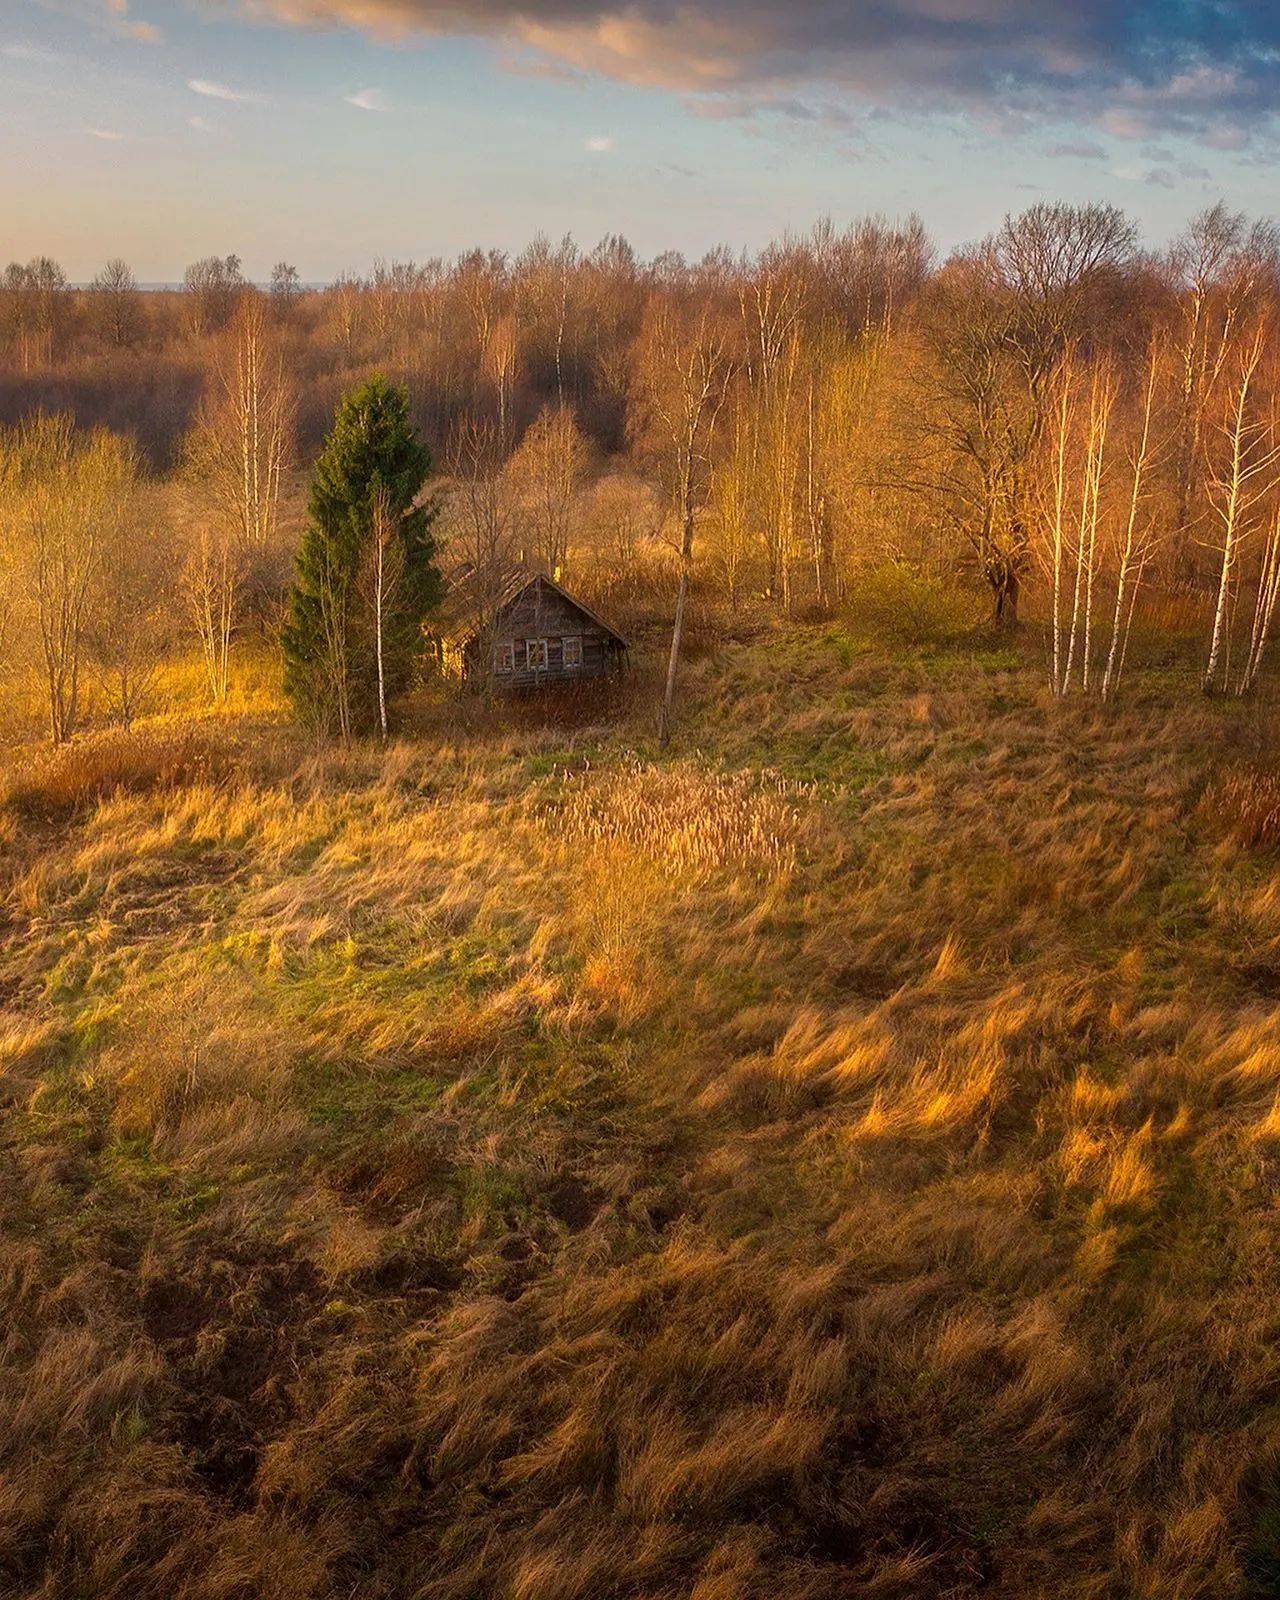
{"points": [[997, 325], [483, 527], [731, 497], [211, 581], [1242, 483], [1221, 266], [286, 285], [387, 563], [625, 517], [35, 301], [1094, 536], [547, 471], [346, 298], [1139, 539], [1102, 395], [975, 427], [19, 312], [213, 286], [500, 363], [66, 494], [544, 276], [683, 372], [243, 438], [128, 629], [117, 304]]}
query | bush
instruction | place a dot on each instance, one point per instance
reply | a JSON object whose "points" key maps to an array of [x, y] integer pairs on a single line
{"points": [[907, 605]]}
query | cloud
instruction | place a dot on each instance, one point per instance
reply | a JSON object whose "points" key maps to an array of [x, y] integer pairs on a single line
{"points": [[601, 144], [367, 100], [201, 125], [143, 32], [128, 27], [104, 133], [1136, 67], [218, 91]]}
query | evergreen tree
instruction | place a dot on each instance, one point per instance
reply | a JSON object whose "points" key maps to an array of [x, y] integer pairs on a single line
{"points": [[368, 479]]}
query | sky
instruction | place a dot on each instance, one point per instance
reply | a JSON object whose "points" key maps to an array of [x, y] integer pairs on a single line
{"points": [[328, 133]]}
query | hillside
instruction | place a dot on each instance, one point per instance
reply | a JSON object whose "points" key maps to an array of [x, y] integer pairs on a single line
{"points": [[837, 1158]]}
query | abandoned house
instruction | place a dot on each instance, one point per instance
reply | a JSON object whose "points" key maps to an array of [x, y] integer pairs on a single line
{"points": [[538, 635]]}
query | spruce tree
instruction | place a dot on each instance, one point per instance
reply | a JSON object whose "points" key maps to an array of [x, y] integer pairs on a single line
{"points": [[370, 473]]}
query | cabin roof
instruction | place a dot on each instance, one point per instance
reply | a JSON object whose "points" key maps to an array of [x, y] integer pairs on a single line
{"points": [[517, 585]]}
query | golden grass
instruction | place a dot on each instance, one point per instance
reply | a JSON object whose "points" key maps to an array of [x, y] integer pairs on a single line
{"points": [[1247, 804], [685, 819], [518, 1168]]}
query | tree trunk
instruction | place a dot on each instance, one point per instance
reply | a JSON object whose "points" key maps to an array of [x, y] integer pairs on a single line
{"points": [[382, 678], [1005, 586], [664, 717]]}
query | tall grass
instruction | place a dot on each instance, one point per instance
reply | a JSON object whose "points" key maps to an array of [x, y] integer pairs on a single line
{"points": [[54, 784], [1247, 804], [517, 1168], [686, 819]]}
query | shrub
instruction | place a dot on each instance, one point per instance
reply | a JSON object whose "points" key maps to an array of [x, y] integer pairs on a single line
{"points": [[908, 605]]}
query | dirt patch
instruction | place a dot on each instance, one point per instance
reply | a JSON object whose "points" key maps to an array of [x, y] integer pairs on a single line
{"points": [[233, 1335]]}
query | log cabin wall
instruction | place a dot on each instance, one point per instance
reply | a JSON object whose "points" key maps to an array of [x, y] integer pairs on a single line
{"points": [[538, 635]]}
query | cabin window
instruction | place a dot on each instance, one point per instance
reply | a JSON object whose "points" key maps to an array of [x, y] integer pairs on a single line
{"points": [[504, 657], [535, 654], [573, 651]]}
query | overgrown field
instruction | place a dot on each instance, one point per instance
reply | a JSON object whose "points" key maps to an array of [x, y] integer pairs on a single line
{"points": [[837, 1159]]}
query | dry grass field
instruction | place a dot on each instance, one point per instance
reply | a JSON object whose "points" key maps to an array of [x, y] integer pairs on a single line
{"points": [[836, 1159]]}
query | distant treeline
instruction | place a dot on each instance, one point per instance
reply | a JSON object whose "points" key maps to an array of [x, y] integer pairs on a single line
{"points": [[1053, 404]]}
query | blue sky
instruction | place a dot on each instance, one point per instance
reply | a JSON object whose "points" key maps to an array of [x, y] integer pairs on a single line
{"points": [[328, 132]]}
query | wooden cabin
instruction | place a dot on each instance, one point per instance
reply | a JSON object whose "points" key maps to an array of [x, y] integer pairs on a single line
{"points": [[540, 635]]}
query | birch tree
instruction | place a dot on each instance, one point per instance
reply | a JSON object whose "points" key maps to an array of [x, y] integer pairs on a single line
{"points": [[1241, 483], [1220, 266], [731, 495], [683, 372], [212, 577], [386, 571], [243, 440], [1140, 536]]}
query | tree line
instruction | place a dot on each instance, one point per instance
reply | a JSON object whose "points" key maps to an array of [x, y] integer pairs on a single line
{"points": [[1053, 406]]}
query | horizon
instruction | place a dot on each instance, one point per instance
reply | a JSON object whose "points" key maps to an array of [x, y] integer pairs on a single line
{"points": [[261, 280]]}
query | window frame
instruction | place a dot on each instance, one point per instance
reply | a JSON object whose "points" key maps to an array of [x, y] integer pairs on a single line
{"points": [[504, 658], [574, 640], [540, 646]]}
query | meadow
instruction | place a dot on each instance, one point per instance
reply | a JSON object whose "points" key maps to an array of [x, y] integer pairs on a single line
{"points": [[835, 1157]]}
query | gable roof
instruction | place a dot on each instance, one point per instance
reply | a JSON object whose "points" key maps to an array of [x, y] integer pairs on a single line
{"points": [[509, 600], [517, 584]]}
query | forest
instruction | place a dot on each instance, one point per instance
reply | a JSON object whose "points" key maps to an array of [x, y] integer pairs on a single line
{"points": [[1053, 408], [797, 1119]]}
